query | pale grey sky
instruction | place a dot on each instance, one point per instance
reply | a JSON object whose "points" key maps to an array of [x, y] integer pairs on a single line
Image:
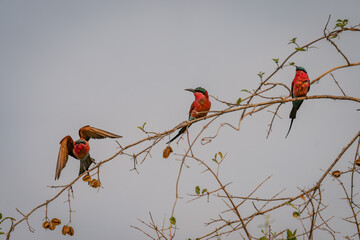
{"points": [[117, 64]]}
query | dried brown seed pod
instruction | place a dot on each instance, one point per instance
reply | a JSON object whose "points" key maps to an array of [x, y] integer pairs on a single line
{"points": [[51, 226], [46, 224], [56, 221], [357, 162], [71, 231], [95, 183], [167, 151], [86, 178], [336, 173], [65, 229]]}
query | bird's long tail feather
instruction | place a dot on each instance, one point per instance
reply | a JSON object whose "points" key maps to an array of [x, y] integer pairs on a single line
{"points": [[182, 130], [292, 119]]}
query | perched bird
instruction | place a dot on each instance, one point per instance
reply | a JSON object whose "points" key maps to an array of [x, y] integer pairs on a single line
{"points": [[199, 108], [299, 88], [79, 149]]}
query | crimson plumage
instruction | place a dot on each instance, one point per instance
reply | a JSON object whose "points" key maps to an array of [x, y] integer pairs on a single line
{"points": [[199, 108], [80, 148], [300, 86]]}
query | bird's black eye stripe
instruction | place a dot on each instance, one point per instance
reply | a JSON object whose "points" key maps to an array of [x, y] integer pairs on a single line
{"points": [[80, 142]]}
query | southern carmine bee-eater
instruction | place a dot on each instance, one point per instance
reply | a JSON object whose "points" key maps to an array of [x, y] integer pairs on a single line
{"points": [[79, 149], [299, 88], [199, 108]]}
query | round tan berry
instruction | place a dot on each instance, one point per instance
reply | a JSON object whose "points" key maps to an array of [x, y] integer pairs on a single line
{"points": [[56, 221], [51, 226], [357, 162], [65, 230], [95, 183], [336, 173], [71, 231], [46, 224], [86, 178], [167, 151]]}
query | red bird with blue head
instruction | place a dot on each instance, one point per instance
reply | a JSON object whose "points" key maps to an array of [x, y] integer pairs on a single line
{"points": [[80, 148], [300, 86], [199, 108]]}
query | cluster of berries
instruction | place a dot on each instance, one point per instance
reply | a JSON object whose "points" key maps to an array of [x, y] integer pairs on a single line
{"points": [[92, 182], [54, 222]]}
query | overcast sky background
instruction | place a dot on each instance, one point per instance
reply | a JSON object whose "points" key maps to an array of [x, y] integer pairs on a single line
{"points": [[117, 64]]}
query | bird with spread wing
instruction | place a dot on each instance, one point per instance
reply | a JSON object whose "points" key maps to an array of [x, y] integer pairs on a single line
{"points": [[80, 148]]}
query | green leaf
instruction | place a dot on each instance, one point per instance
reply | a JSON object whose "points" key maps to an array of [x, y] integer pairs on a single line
{"points": [[204, 191], [341, 23], [238, 101], [0, 216], [261, 74], [245, 90], [1, 233], [173, 221], [300, 49], [292, 41], [221, 155], [263, 238], [197, 190], [292, 63], [276, 60], [290, 235], [214, 159], [142, 128]]}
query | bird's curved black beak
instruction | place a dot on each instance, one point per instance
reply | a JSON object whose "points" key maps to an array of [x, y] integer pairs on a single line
{"points": [[190, 90]]}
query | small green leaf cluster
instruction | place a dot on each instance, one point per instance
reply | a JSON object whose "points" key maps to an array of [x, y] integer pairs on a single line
{"points": [[297, 48], [142, 127], [261, 74], [215, 157], [197, 190], [341, 23], [291, 235]]}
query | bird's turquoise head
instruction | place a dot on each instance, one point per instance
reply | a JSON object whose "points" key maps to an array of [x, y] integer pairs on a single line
{"points": [[198, 89], [298, 68], [80, 141]]}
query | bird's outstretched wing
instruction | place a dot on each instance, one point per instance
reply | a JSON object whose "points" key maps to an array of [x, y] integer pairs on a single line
{"points": [[88, 132], [66, 149]]}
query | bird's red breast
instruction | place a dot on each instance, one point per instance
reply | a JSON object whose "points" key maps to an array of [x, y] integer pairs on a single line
{"points": [[301, 84], [200, 106], [81, 148]]}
